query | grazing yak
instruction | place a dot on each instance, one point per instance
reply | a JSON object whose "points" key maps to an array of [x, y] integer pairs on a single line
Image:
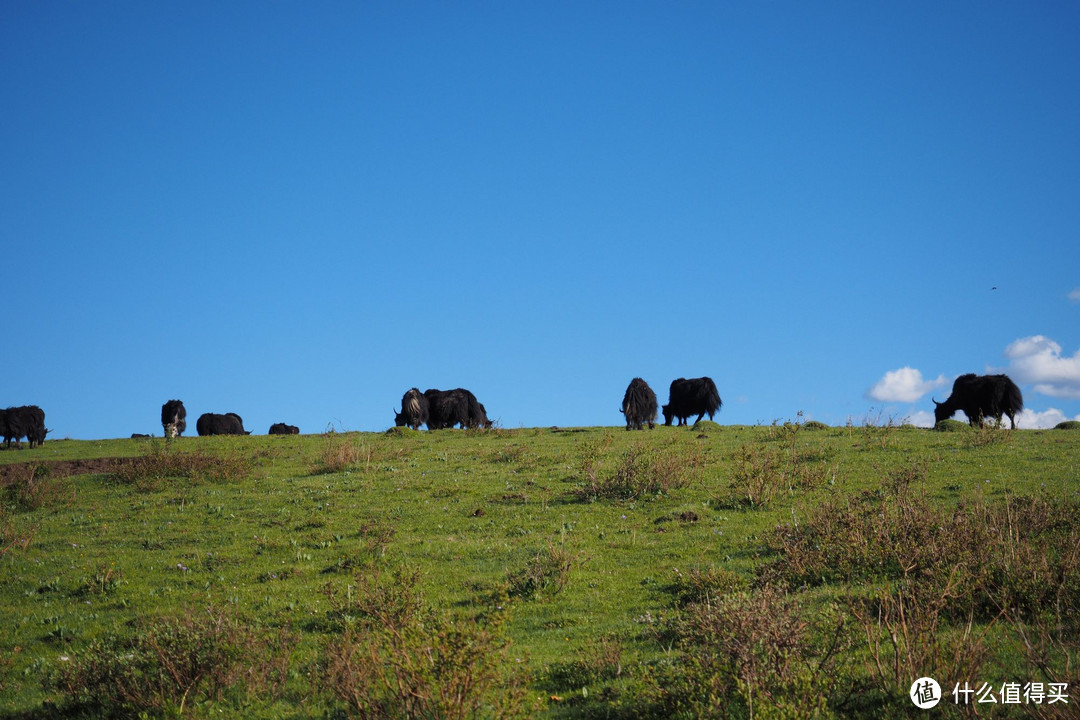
{"points": [[639, 405], [980, 397], [447, 408], [214, 424], [25, 421], [687, 397], [283, 429], [415, 410], [173, 418]]}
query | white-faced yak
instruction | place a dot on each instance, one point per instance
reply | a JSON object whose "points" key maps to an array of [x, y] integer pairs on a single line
{"points": [[415, 410], [173, 418]]}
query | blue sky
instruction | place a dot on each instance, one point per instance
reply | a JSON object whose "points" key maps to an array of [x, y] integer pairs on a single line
{"points": [[298, 211]]}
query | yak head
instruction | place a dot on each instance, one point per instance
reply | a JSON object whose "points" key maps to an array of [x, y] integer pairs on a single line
{"points": [[399, 419], [943, 410], [668, 414]]}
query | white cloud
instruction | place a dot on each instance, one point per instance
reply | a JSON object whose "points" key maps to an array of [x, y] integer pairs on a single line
{"points": [[1031, 420], [1027, 419], [1075, 295], [905, 385], [1037, 361], [920, 418]]}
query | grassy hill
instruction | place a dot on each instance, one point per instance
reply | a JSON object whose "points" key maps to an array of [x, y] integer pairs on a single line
{"points": [[779, 571]]}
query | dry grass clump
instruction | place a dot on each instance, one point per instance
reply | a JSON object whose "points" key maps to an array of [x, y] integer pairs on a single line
{"points": [[764, 473], [344, 452], [31, 486], [945, 581], [750, 653], [161, 463], [397, 657], [642, 471], [12, 535], [1022, 553], [172, 663], [545, 574]]}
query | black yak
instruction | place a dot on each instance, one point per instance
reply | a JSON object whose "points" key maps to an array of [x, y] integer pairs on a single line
{"points": [[447, 408], [283, 429], [415, 410], [173, 418], [214, 424], [980, 397], [687, 397], [639, 405], [25, 421]]}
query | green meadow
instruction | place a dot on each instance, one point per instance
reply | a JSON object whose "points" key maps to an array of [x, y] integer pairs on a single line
{"points": [[791, 570]]}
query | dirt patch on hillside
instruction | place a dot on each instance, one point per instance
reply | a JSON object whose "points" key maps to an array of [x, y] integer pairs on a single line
{"points": [[14, 472]]}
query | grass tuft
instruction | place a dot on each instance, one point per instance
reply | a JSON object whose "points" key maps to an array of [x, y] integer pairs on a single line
{"points": [[162, 463]]}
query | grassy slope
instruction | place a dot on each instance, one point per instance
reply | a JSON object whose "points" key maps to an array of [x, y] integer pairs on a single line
{"points": [[467, 509]]}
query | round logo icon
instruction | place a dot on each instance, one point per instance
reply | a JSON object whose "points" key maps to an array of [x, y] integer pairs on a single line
{"points": [[925, 693]]}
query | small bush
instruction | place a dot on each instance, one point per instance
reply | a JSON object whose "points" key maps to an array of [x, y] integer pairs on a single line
{"points": [[757, 479], [641, 472], [1068, 425], [990, 433], [1019, 554], [756, 653], [31, 487], [340, 454], [879, 431], [891, 533], [11, 536], [103, 580], [548, 572], [399, 658], [600, 662], [908, 635], [949, 425], [762, 472], [704, 585], [161, 463], [343, 452], [171, 663]]}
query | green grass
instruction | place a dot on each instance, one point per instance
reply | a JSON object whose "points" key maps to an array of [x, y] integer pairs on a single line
{"points": [[583, 552]]}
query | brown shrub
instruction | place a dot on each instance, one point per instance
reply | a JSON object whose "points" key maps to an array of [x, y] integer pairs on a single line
{"points": [[171, 662], [641, 471], [148, 472], [398, 658]]}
